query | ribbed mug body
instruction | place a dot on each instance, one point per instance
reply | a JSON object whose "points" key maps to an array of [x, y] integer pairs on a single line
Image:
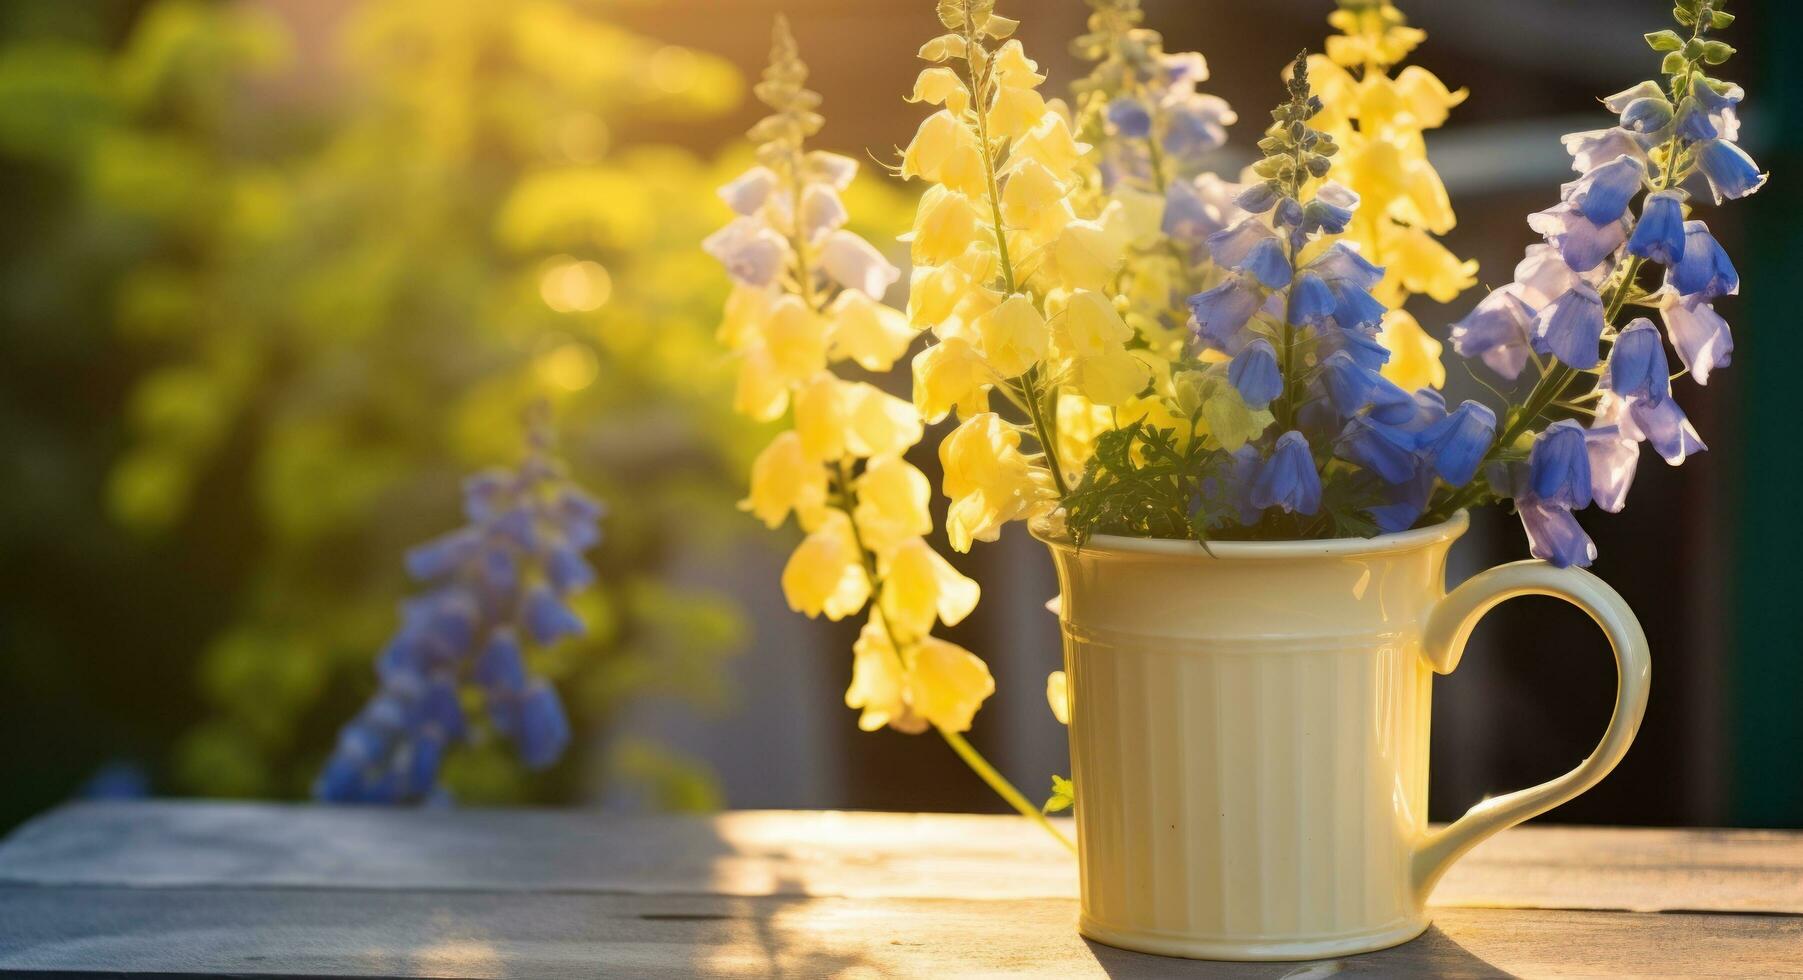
{"points": [[1249, 740]]}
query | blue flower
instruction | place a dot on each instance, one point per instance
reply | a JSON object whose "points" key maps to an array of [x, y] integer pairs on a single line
{"points": [[1703, 271], [501, 669], [1554, 535], [1694, 122], [1637, 367], [442, 556], [547, 618], [1230, 247], [1662, 423], [1730, 172], [1255, 374], [1339, 264], [1348, 386], [1699, 335], [1221, 313], [1195, 125], [1596, 147], [1720, 105], [1129, 117], [1603, 194], [1288, 479], [1613, 460], [1330, 211], [1571, 327], [1559, 466], [752, 252], [1644, 108], [1354, 308], [1383, 449], [1496, 330], [1455, 445], [1260, 197], [1660, 234], [1583, 244], [1404, 503], [1362, 346], [1266, 262], [544, 731], [1187, 217], [1311, 301]]}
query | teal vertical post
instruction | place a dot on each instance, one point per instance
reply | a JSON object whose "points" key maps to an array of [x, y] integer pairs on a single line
{"points": [[1765, 707]]}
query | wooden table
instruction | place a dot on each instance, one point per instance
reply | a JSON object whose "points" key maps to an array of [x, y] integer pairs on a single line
{"points": [[202, 888]]}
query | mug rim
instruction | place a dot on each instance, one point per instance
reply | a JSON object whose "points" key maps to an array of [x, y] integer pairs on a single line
{"points": [[1188, 548]]}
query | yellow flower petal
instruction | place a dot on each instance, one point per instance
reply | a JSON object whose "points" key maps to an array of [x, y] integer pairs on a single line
{"points": [[892, 505], [784, 479], [1014, 336], [825, 575], [990, 482], [820, 418], [1112, 377], [1414, 356], [876, 422], [867, 332], [945, 225], [946, 683], [919, 586], [877, 682], [951, 374]]}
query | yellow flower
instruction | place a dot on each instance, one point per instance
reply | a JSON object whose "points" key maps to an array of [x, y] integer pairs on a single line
{"points": [[1090, 325], [795, 336], [941, 86], [761, 393], [783, 479], [1414, 356], [1142, 214], [919, 586], [1423, 265], [1058, 695], [951, 374], [1034, 200], [820, 418], [1013, 68], [1014, 336], [946, 683], [1080, 421], [826, 573], [867, 332], [876, 422], [892, 505], [878, 683], [945, 225], [1427, 98], [945, 151], [1050, 144], [1087, 254], [1110, 378], [1014, 111], [746, 308], [990, 482]]}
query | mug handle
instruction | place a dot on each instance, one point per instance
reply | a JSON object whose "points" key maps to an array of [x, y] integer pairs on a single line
{"points": [[1449, 626]]}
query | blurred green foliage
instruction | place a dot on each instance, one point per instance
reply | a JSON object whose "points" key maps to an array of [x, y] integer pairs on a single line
{"points": [[267, 296]]}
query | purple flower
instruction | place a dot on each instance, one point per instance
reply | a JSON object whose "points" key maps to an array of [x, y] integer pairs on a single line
{"points": [[752, 252], [1288, 479], [1340, 264], [547, 618], [1584, 244], [1311, 301], [1572, 327], [1554, 535], [1703, 270], [1599, 146], [1699, 334], [1559, 466], [1383, 449], [1231, 246], [1129, 117], [1221, 313], [1347, 385], [1330, 210], [1266, 262], [1603, 194], [1361, 345], [1730, 172], [1613, 458], [1660, 234], [1663, 424], [1455, 445], [1637, 367], [1196, 124], [1259, 198], [544, 730], [1496, 330], [1255, 374]]}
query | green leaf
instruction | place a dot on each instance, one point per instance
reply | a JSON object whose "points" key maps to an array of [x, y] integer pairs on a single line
{"points": [[1064, 795], [1720, 19], [1664, 41], [1674, 64]]}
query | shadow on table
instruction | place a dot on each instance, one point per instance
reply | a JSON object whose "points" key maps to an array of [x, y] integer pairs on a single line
{"points": [[1435, 954]]}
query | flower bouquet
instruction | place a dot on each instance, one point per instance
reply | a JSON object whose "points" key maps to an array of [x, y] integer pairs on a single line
{"points": [[1204, 395]]}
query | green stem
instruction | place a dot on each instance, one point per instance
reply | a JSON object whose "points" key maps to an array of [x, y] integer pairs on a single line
{"points": [[1001, 785]]}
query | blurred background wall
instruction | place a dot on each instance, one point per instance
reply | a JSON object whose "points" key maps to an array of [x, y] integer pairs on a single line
{"points": [[277, 270]]}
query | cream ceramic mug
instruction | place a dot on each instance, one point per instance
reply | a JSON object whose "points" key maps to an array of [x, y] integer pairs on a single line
{"points": [[1249, 734]]}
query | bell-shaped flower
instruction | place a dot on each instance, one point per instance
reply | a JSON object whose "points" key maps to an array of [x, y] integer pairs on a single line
{"points": [[1035, 200], [1189, 215], [752, 252], [1583, 243], [1730, 172], [1087, 254], [866, 332], [949, 375], [784, 479], [1354, 308], [1719, 105], [1221, 313], [821, 211], [795, 338], [746, 193], [1230, 247], [1347, 385], [940, 85], [1596, 147], [1660, 234], [1311, 301], [1111, 378], [1559, 466], [1698, 334], [1089, 325], [1014, 336], [1255, 374], [1266, 262], [1050, 144], [1415, 357], [1404, 503], [1663, 424], [892, 504], [1362, 347], [1288, 479], [1571, 328], [876, 422], [1542, 276], [1341, 263], [1554, 535], [1602, 194], [1260, 197], [946, 684], [878, 681], [501, 667], [1703, 270], [1129, 117], [945, 151], [1693, 121], [826, 574], [823, 167], [544, 729], [547, 618], [1013, 111], [1424, 265], [1386, 450], [1196, 125], [1645, 90], [1613, 459], [854, 263], [820, 417], [1331, 209], [945, 224], [1637, 369], [919, 586], [989, 480], [1456, 444], [1647, 115]]}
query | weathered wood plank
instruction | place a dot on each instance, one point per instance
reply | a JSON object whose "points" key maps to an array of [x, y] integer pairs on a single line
{"points": [[807, 853], [333, 932]]}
